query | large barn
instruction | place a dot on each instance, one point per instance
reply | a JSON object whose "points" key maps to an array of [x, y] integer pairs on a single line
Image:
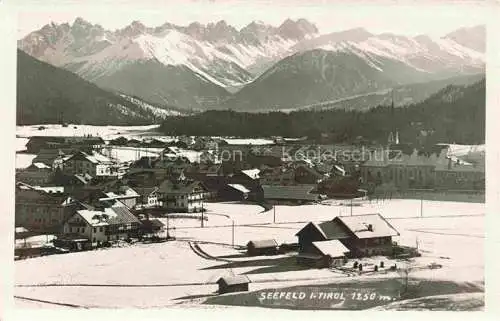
{"points": [[363, 235]]}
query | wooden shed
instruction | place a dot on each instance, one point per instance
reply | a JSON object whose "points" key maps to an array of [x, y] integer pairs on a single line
{"points": [[236, 283], [262, 247]]}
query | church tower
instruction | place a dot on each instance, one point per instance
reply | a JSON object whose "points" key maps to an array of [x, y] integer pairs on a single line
{"points": [[394, 134]]}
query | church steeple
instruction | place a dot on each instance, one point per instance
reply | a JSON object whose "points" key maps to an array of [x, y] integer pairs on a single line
{"points": [[394, 134]]}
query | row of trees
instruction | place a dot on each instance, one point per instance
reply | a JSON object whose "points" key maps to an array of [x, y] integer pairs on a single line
{"points": [[455, 114]]}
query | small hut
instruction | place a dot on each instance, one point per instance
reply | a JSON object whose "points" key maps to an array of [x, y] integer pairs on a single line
{"points": [[236, 283], [262, 247]]}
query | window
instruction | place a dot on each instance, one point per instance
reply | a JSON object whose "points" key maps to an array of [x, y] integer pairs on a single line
{"points": [[95, 229], [101, 229]]}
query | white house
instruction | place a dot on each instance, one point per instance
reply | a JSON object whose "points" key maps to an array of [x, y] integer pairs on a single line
{"points": [[89, 224], [182, 196], [93, 164], [153, 198], [108, 224]]}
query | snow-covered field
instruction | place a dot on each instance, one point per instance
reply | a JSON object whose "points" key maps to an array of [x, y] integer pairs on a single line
{"points": [[249, 141], [122, 154], [106, 132], [172, 273]]}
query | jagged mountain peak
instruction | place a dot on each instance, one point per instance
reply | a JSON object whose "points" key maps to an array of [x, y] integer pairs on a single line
{"points": [[298, 29], [137, 24], [471, 37], [81, 23], [217, 53]]}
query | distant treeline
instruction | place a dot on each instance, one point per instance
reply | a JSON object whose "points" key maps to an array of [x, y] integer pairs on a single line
{"points": [[454, 115]]}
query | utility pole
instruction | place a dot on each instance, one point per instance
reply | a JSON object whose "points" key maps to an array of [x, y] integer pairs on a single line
{"points": [[232, 239], [168, 235], [274, 213], [422, 205], [351, 206], [202, 210]]}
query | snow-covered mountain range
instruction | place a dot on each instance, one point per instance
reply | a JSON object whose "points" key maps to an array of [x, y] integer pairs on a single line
{"points": [[198, 66], [217, 52]]}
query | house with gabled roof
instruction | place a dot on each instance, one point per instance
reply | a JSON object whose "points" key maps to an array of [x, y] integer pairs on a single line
{"points": [[101, 225], [233, 283], [290, 194], [124, 194], [233, 192], [35, 174], [42, 210], [262, 247], [363, 235], [182, 196], [307, 174], [278, 176], [36, 143], [94, 164], [52, 157]]}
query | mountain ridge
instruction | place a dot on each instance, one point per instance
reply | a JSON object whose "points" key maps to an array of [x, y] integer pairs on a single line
{"points": [[221, 61]]}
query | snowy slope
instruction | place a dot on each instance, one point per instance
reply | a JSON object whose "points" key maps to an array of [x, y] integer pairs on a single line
{"points": [[423, 53], [157, 111]]}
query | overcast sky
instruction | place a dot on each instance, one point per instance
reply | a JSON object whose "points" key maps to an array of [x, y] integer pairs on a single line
{"points": [[402, 17]]}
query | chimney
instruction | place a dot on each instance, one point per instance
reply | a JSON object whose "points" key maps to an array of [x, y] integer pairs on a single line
{"points": [[370, 227], [449, 163]]}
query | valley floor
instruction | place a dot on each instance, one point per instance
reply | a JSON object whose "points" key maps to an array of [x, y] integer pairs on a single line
{"points": [[183, 272]]}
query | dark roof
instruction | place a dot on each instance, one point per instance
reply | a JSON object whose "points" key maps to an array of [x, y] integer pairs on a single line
{"points": [[292, 192], [153, 223], [29, 174], [205, 169], [32, 194], [312, 171], [47, 156], [145, 162], [179, 187], [145, 191], [124, 216], [330, 230]]}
